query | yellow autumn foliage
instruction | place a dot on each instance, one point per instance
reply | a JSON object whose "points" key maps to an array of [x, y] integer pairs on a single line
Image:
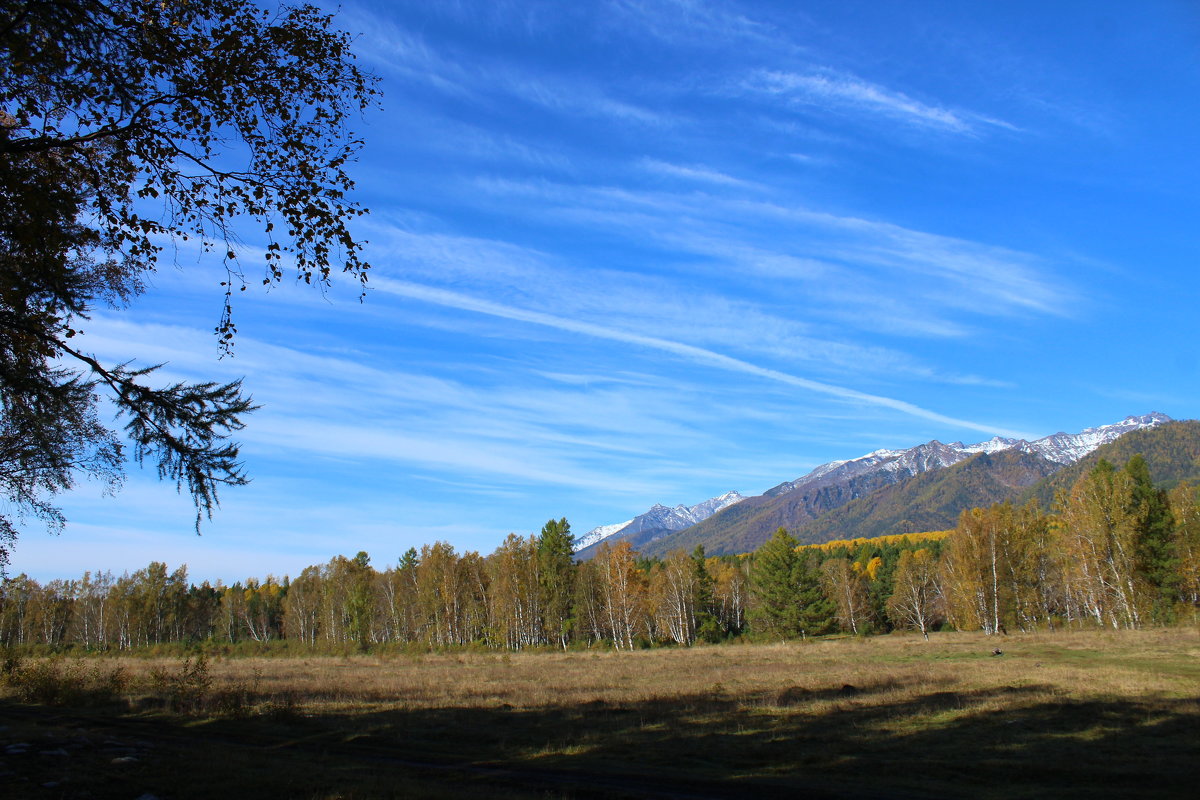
{"points": [[895, 538]]}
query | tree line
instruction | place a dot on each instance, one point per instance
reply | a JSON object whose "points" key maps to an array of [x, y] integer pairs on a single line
{"points": [[1115, 551]]}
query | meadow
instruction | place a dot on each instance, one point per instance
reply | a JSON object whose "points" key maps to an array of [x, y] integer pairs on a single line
{"points": [[1067, 714]]}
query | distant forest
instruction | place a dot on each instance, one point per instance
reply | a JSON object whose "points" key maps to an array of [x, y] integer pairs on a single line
{"points": [[1113, 551]]}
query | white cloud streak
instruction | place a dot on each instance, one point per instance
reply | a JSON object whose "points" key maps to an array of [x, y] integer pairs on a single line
{"points": [[828, 88], [466, 75], [706, 316], [701, 355], [693, 173], [919, 275], [314, 404]]}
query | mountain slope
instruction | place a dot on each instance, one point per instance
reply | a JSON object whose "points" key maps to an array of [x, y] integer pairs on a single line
{"points": [[793, 505], [932, 500], [1172, 453], [658, 521], [597, 535], [743, 527]]}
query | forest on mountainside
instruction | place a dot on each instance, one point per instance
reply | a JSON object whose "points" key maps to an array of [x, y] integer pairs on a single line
{"points": [[1116, 551], [1171, 452], [884, 502], [933, 499]]}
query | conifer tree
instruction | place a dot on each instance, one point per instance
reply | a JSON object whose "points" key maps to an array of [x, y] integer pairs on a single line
{"points": [[708, 627], [776, 611], [359, 605], [787, 590], [1156, 563], [556, 576], [817, 613]]}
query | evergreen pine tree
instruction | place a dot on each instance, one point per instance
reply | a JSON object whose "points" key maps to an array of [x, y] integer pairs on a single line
{"points": [[772, 583], [1156, 561], [816, 614], [359, 599], [409, 560], [708, 627], [787, 588], [556, 577]]}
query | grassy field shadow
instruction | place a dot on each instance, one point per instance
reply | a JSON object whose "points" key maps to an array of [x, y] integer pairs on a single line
{"points": [[856, 741]]}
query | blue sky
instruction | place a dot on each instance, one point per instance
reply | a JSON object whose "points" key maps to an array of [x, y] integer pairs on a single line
{"points": [[637, 252]]}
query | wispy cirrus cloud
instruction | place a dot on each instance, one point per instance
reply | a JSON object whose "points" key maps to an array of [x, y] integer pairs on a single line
{"points": [[1008, 278], [836, 90], [465, 74], [439, 450], [714, 25], [468, 141], [700, 355], [784, 327], [860, 266], [392, 48], [567, 434], [693, 172], [578, 97]]}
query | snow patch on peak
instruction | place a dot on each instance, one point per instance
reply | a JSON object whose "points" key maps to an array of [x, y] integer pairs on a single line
{"points": [[825, 468], [1067, 448], [1062, 448], [702, 511], [598, 534], [993, 445], [660, 517]]}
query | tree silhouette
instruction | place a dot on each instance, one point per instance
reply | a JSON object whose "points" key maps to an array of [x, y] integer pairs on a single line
{"points": [[128, 127]]}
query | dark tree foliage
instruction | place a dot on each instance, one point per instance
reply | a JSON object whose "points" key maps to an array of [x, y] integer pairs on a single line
{"points": [[771, 583], [359, 602], [708, 626], [787, 588], [1156, 561], [817, 613], [556, 578], [126, 128], [409, 560]]}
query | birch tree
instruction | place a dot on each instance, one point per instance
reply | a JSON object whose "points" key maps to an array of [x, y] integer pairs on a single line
{"points": [[916, 598]]}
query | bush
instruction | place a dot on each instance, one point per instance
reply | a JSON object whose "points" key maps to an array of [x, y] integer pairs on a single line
{"points": [[58, 681], [186, 689], [10, 663]]}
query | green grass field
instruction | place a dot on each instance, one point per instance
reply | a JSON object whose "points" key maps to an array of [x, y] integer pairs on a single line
{"points": [[1082, 714]]}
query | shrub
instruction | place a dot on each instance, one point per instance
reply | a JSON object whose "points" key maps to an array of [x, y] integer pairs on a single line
{"points": [[58, 681], [186, 689]]}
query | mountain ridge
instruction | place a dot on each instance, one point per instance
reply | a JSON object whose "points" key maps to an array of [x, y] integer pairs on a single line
{"points": [[658, 519], [744, 524], [934, 499]]}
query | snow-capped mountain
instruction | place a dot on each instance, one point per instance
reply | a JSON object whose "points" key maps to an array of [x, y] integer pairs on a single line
{"points": [[702, 511], [1061, 448], [1067, 448], [795, 503], [660, 518], [596, 535]]}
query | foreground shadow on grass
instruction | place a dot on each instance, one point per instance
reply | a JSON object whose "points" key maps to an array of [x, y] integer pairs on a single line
{"points": [[855, 741]]}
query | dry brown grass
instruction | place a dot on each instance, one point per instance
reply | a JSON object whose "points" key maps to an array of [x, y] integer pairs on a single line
{"points": [[1078, 665], [1063, 714]]}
